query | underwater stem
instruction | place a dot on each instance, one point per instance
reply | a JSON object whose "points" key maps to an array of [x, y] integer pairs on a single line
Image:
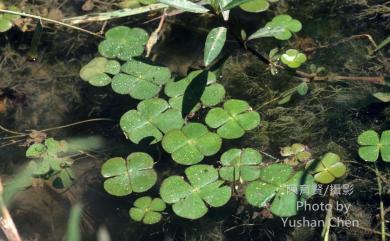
{"points": [[382, 212]]}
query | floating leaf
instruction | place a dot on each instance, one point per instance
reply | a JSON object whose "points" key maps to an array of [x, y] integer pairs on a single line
{"points": [[185, 5], [189, 199], [293, 59], [233, 119], [135, 174], [295, 154], [227, 5], [97, 72], [328, 169], [371, 146], [123, 43], [281, 27], [256, 6], [147, 210], [140, 80], [191, 144], [152, 118], [274, 186], [214, 44], [241, 164], [198, 84]]}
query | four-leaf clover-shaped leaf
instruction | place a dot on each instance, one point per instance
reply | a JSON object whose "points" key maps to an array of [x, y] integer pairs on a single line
{"points": [[233, 119], [189, 87], [135, 174], [147, 210], [152, 118], [191, 144], [293, 58], [47, 157], [241, 164], [97, 72], [328, 169], [278, 185], [371, 146], [123, 43], [189, 199], [281, 27], [140, 80]]}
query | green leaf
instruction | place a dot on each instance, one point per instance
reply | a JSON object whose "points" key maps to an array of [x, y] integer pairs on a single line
{"points": [[36, 150], [147, 210], [272, 187], [233, 120], [369, 137], [198, 86], [185, 5], [140, 80], [302, 88], [328, 169], [97, 72], [214, 44], [382, 96], [191, 144], [123, 43], [73, 233], [153, 118], [281, 27], [7, 19], [255, 6], [294, 59], [234, 3], [135, 174], [240, 164], [189, 199]]}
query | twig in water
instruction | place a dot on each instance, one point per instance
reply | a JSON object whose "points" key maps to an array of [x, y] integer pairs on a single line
{"points": [[6, 223], [50, 21]]}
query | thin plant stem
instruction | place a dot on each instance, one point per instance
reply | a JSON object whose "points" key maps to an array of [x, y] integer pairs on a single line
{"points": [[51, 21], [381, 206], [95, 17]]}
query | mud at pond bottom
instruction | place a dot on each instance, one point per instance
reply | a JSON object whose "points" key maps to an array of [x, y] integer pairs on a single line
{"points": [[41, 212]]}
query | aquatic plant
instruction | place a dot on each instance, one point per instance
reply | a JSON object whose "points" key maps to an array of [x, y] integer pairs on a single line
{"points": [[233, 119], [152, 118], [293, 58], [240, 164], [6, 19], [189, 199], [276, 186], [191, 144], [147, 210], [372, 145], [135, 174], [281, 27], [167, 118], [98, 71], [328, 169], [295, 154], [49, 161], [256, 6]]}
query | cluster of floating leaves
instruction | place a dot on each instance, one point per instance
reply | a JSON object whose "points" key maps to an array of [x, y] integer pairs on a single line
{"points": [[50, 160]]}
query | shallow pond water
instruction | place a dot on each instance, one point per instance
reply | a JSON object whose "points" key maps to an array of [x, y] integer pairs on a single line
{"points": [[329, 118]]}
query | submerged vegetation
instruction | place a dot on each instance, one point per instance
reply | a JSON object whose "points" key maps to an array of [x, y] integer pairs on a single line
{"points": [[213, 150]]}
